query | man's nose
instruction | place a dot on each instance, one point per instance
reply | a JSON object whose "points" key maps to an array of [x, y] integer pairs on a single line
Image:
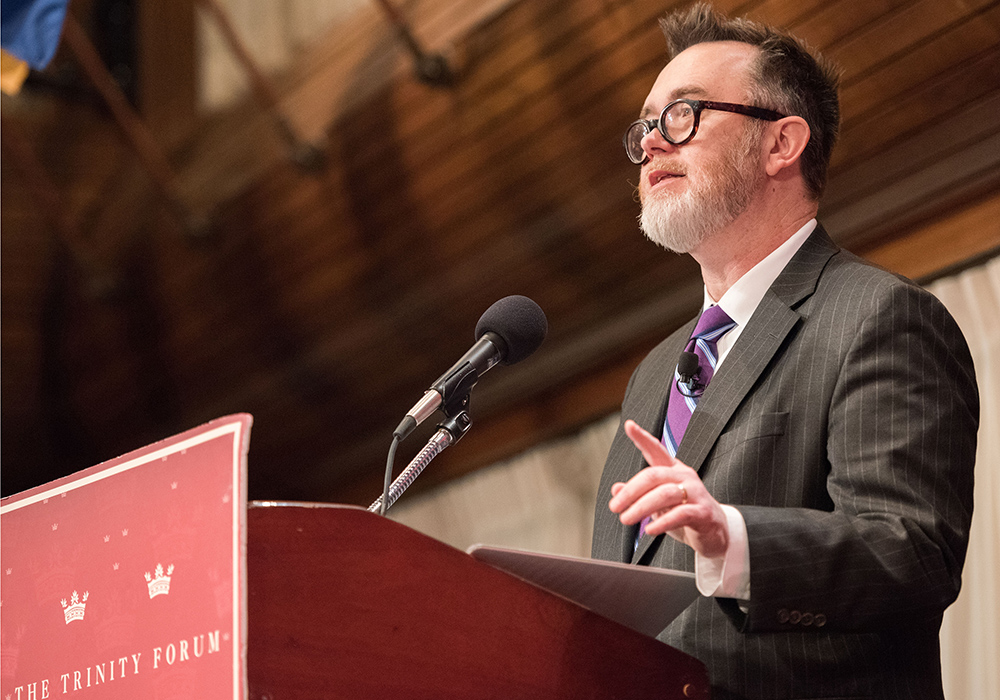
{"points": [[653, 143]]}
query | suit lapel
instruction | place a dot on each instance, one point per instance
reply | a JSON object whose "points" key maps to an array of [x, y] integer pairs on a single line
{"points": [[773, 320], [767, 329], [764, 334]]}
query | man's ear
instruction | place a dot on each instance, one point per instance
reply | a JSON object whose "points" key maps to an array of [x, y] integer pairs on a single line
{"points": [[789, 137]]}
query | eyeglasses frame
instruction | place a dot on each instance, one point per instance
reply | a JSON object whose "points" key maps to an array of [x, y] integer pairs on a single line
{"points": [[697, 106]]}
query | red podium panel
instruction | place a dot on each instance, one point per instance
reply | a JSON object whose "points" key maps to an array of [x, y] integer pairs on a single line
{"points": [[125, 580], [347, 604]]}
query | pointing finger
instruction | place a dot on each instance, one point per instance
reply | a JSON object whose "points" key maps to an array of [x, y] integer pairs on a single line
{"points": [[652, 449]]}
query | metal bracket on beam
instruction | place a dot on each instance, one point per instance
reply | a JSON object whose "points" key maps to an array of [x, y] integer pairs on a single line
{"points": [[430, 68], [306, 155]]}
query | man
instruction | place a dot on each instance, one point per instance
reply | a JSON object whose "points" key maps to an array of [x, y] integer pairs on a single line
{"points": [[830, 405]]}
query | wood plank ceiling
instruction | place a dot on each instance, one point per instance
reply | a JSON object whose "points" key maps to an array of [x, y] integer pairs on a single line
{"points": [[325, 301]]}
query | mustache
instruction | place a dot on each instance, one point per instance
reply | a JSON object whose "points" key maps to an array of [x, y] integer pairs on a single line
{"points": [[665, 163]]}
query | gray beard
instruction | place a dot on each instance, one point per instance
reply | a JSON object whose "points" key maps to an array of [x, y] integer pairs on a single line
{"points": [[681, 223]]}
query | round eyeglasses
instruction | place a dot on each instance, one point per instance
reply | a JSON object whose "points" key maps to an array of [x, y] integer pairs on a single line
{"points": [[678, 123]]}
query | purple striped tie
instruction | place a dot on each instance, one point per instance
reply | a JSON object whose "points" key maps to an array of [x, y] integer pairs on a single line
{"points": [[713, 324]]}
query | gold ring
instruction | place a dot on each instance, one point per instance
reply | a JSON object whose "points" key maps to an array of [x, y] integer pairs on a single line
{"points": [[684, 493]]}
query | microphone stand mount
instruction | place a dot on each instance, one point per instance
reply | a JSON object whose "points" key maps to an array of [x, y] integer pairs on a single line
{"points": [[456, 423]]}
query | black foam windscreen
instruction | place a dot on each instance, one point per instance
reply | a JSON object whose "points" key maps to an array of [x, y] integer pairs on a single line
{"points": [[520, 323], [687, 366]]}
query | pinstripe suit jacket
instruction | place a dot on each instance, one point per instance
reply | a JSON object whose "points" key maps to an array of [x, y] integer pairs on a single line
{"points": [[843, 426]]}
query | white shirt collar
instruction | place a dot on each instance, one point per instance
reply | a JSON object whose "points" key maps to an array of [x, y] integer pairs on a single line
{"points": [[741, 300]]}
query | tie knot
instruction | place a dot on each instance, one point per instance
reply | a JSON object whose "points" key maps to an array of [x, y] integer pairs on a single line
{"points": [[714, 322]]}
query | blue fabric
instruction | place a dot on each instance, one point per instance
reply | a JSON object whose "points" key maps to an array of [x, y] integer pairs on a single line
{"points": [[30, 29]]}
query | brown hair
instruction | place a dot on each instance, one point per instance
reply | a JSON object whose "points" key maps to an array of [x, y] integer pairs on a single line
{"points": [[786, 77]]}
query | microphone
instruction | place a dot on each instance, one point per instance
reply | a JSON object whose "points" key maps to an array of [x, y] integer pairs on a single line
{"points": [[687, 373], [507, 332]]}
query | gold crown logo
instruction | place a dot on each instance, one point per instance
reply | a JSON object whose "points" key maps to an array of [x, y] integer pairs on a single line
{"points": [[160, 584], [77, 608]]}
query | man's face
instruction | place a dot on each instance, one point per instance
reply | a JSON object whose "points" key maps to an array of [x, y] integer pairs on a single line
{"points": [[690, 192]]}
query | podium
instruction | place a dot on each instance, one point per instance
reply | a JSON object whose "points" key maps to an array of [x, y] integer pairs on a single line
{"points": [[346, 603], [151, 576]]}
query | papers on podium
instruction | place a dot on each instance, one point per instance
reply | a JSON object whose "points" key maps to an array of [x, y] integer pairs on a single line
{"points": [[644, 598]]}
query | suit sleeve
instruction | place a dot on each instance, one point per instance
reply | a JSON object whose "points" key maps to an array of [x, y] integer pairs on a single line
{"points": [[900, 449]]}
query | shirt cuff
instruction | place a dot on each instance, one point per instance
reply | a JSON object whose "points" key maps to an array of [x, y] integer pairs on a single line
{"points": [[727, 576]]}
